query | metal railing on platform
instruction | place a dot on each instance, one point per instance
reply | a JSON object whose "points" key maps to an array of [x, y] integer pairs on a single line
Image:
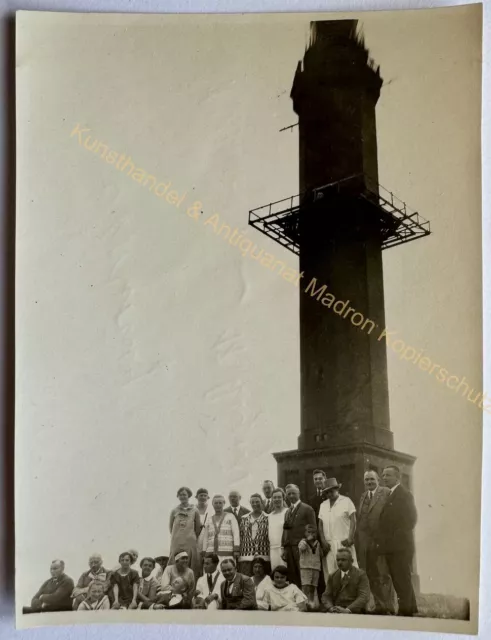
{"points": [[280, 219]]}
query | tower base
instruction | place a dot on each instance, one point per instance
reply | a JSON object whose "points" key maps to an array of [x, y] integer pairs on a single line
{"points": [[346, 463]]}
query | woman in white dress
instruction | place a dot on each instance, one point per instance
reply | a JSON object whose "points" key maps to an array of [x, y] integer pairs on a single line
{"points": [[284, 595], [276, 520], [337, 526]]}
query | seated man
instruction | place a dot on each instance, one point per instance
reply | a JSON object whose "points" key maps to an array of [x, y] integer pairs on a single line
{"points": [[237, 590], [347, 589], [96, 572], [207, 594], [55, 593]]}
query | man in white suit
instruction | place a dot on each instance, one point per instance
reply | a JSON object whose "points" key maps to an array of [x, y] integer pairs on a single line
{"points": [[207, 594]]}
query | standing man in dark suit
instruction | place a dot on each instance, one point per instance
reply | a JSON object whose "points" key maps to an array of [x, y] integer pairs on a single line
{"points": [[395, 538], [347, 588], [372, 502], [268, 488], [317, 498], [235, 507], [297, 516]]}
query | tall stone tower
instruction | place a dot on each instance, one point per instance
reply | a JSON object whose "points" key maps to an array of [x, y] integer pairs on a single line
{"points": [[338, 226]]}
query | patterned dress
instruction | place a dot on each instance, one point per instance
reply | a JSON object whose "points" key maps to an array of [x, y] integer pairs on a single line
{"points": [[254, 537], [185, 528], [254, 541]]}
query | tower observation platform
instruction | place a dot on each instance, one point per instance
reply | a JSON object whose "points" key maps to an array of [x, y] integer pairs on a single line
{"points": [[397, 223]]}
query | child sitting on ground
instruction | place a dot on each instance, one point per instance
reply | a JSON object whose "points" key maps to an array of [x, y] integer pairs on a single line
{"points": [[96, 599]]}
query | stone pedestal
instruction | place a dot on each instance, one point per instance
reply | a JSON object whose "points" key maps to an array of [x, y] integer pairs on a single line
{"points": [[347, 463]]}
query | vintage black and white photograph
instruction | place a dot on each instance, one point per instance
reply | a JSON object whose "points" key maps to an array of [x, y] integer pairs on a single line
{"points": [[248, 316]]}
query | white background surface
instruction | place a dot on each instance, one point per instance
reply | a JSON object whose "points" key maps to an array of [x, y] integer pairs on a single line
{"points": [[6, 629]]}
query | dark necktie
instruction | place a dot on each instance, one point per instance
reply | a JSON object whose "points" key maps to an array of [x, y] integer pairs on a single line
{"points": [[210, 582], [292, 511], [370, 496], [235, 511]]}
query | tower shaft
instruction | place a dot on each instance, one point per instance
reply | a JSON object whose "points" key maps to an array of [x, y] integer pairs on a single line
{"points": [[344, 389]]}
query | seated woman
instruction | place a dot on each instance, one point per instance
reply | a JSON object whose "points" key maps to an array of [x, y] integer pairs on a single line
{"points": [[282, 595], [125, 582], [134, 557], [96, 599], [261, 580], [160, 563], [147, 588], [182, 571]]}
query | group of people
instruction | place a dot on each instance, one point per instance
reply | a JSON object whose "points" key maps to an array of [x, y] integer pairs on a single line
{"points": [[282, 554]]}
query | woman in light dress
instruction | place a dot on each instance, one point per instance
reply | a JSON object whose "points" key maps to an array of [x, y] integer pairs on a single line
{"points": [[184, 526], [261, 580], [276, 520]]}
